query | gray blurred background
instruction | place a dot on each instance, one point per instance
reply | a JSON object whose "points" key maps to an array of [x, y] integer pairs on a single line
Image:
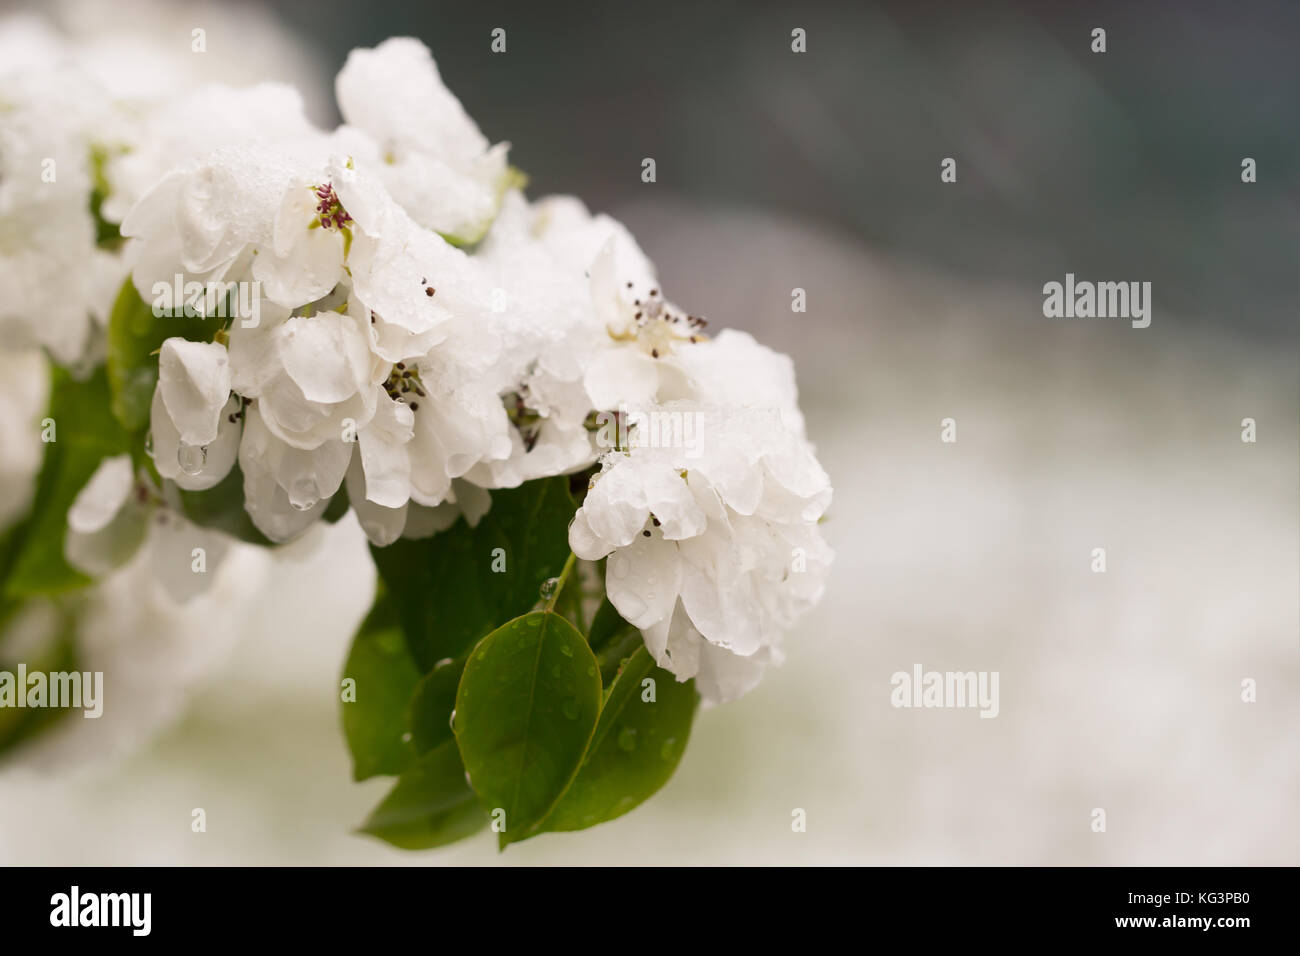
{"points": [[821, 171]]}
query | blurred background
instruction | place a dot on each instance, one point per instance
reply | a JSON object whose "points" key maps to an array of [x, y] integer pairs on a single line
{"points": [[820, 171]]}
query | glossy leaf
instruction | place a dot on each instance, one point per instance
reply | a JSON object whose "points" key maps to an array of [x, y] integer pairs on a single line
{"points": [[432, 703], [447, 591], [636, 746], [375, 722], [605, 625], [527, 705], [431, 805]]}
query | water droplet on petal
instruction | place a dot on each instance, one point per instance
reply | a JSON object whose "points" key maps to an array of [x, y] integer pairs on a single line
{"points": [[619, 566], [303, 495], [631, 606], [191, 458], [148, 443]]}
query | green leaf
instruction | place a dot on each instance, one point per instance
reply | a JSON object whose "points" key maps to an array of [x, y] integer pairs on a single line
{"points": [[375, 722], [85, 434], [54, 652], [447, 592], [613, 640], [135, 335], [432, 704], [221, 508], [635, 749], [339, 506], [430, 805], [569, 599], [526, 708], [606, 624]]}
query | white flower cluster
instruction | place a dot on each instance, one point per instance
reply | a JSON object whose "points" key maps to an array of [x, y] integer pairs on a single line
{"points": [[391, 316], [84, 88], [86, 91]]}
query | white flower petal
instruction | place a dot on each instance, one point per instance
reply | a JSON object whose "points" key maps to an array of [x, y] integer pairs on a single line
{"points": [[383, 453], [194, 380], [382, 525], [621, 376], [325, 356], [103, 496], [616, 506], [642, 580], [183, 556], [194, 467]]}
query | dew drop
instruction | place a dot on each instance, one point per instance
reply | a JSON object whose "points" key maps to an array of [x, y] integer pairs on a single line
{"points": [[619, 566], [451, 722], [566, 650], [631, 606], [549, 587], [627, 739], [303, 495], [191, 458], [571, 709], [666, 748], [148, 443]]}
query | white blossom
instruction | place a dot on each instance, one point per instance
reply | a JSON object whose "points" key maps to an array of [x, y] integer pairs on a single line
{"points": [[712, 552], [420, 334], [431, 156]]}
